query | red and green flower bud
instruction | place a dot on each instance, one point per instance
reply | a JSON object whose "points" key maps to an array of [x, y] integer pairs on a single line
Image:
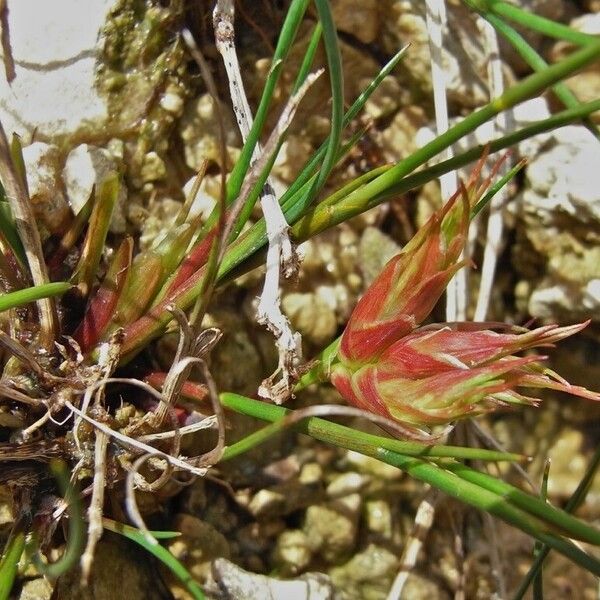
{"points": [[439, 374]]}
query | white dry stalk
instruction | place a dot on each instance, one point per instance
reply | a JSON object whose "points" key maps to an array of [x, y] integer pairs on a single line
{"points": [[95, 512], [280, 253], [423, 523], [107, 364], [502, 123], [435, 17]]}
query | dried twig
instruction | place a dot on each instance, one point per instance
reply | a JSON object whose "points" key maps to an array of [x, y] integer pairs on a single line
{"points": [[107, 365], [280, 254], [423, 523]]}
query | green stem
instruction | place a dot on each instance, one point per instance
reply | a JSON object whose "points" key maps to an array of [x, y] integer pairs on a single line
{"points": [[31, 294], [10, 561], [327, 431], [532, 21], [537, 63]]}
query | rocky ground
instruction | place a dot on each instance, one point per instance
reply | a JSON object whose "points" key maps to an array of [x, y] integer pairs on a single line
{"points": [[106, 84]]}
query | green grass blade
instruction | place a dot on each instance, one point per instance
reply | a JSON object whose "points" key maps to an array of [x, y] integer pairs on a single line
{"points": [[484, 499], [560, 519], [10, 561], [531, 21], [31, 294], [336, 80], [525, 89], [161, 553], [537, 63], [9, 229]]}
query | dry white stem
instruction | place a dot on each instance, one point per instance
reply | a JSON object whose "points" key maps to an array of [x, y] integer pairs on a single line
{"points": [[435, 17], [26, 433], [502, 123], [207, 423], [280, 253], [95, 528], [423, 523], [18, 199], [107, 364]]}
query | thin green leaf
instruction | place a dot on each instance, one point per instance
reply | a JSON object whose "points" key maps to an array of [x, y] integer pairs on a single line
{"points": [[161, 554], [538, 582], [31, 294], [537, 63], [483, 499], [10, 561], [531, 21], [336, 80], [564, 522], [9, 229], [134, 532]]}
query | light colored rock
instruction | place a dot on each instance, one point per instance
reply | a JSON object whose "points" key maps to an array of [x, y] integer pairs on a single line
{"points": [[232, 582], [199, 131], [331, 528], [375, 250], [54, 47], [36, 589], [419, 588], [347, 483], [311, 316], [292, 552], [43, 167], [266, 502], [86, 166], [199, 543], [367, 575], [372, 466], [559, 216], [379, 519]]}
